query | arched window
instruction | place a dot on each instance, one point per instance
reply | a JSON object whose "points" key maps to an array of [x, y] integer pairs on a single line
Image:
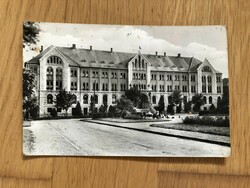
{"points": [[85, 99], [105, 99], [206, 69], [154, 99], [113, 99], [54, 60], [205, 100], [49, 78], [49, 99], [218, 100], [74, 98], [135, 63], [210, 100], [58, 78]]}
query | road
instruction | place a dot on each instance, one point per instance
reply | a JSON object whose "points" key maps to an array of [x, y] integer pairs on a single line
{"points": [[75, 137]]}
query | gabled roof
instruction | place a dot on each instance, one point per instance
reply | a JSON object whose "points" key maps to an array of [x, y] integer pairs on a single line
{"points": [[36, 58], [108, 59]]}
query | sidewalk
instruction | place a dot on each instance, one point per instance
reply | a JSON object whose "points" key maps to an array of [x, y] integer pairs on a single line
{"points": [[144, 127]]}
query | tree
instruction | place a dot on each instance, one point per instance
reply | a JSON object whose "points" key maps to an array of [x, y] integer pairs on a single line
{"points": [[30, 33], [175, 99], [161, 104], [78, 110], [187, 106], [134, 95], [30, 106], [198, 101], [64, 100], [124, 104]]}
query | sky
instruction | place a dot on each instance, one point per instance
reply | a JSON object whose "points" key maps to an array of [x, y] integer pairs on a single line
{"points": [[191, 41]]}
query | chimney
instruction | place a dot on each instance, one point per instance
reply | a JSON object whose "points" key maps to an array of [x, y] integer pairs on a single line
{"points": [[179, 55], [74, 46], [41, 49], [111, 50], [165, 54], [90, 48], [156, 53]]}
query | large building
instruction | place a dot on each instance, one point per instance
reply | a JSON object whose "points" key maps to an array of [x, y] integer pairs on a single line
{"points": [[108, 74]]}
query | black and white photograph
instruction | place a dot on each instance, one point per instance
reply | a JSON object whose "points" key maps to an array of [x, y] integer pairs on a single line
{"points": [[125, 90]]}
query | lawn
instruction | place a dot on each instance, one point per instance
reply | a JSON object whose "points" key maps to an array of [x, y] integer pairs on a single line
{"points": [[224, 131]]}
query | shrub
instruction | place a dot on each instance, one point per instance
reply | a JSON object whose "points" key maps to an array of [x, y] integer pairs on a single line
{"points": [[53, 113], [207, 120]]}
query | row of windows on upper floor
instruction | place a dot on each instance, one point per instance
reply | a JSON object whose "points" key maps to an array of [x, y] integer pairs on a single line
{"points": [[169, 77], [50, 99], [95, 86], [208, 89], [209, 79], [95, 74]]}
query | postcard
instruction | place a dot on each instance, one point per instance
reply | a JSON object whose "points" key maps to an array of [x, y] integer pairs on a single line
{"points": [[125, 90]]}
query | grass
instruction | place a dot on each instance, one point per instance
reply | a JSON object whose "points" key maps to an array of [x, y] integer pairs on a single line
{"points": [[215, 130]]}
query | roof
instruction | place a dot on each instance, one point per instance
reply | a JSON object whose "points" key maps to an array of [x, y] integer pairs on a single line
{"points": [[107, 59]]}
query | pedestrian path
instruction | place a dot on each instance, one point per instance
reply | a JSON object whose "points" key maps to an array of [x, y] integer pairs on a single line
{"points": [[144, 127]]}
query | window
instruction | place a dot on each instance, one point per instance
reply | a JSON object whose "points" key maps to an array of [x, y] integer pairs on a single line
{"points": [[95, 86], [203, 78], [177, 87], [113, 99], [192, 78], [184, 78], [169, 88], [210, 100], [105, 99], [58, 78], [153, 76], [206, 69], [218, 89], [73, 86], [209, 89], [154, 99], [193, 89], [177, 77], [169, 77], [184, 88], [54, 60], [218, 79], [49, 77], [49, 99], [204, 90], [205, 100], [218, 100], [209, 79], [85, 99], [73, 73], [161, 88], [143, 63]]}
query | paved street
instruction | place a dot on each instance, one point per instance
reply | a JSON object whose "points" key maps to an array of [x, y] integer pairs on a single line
{"points": [[75, 137]]}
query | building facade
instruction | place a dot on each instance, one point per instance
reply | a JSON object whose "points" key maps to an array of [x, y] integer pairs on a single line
{"points": [[108, 74]]}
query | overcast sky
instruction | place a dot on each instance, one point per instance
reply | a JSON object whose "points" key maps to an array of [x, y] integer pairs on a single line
{"points": [[200, 41]]}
